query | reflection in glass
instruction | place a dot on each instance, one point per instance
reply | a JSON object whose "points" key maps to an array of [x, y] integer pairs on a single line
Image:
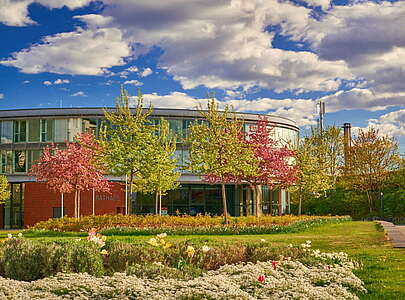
{"points": [[6, 132], [61, 130], [33, 130]]}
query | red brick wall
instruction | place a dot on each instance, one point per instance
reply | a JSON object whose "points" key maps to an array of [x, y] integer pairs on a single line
{"points": [[40, 201]]}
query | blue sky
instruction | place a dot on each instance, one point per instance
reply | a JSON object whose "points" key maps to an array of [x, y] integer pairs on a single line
{"points": [[275, 57]]}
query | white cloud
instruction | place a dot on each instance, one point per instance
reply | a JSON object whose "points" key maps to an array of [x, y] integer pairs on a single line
{"points": [[15, 12], [61, 81], [392, 123], [146, 72], [1, 96], [79, 94], [132, 69], [225, 45], [56, 82], [26, 81], [133, 82], [82, 52]]}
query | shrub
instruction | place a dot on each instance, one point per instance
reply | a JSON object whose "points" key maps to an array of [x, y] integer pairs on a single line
{"points": [[200, 224], [27, 260], [79, 256], [155, 270]]}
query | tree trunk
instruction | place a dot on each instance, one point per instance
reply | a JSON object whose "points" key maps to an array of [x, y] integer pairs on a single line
{"points": [[258, 196], [224, 203], [247, 201], [156, 203], [280, 208], [254, 200], [78, 204], [369, 201], [131, 176], [75, 200], [160, 203], [300, 204], [240, 189]]}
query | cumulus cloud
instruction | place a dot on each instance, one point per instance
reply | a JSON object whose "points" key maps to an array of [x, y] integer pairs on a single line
{"points": [[392, 123], [81, 52], [26, 81], [1, 96], [57, 81], [79, 94], [133, 82], [226, 44], [146, 72], [15, 12]]}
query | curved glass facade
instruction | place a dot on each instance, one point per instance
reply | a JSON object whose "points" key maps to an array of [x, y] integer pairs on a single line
{"points": [[24, 133]]}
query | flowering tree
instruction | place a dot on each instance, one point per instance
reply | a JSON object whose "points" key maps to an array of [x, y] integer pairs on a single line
{"points": [[72, 169], [276, 163]]}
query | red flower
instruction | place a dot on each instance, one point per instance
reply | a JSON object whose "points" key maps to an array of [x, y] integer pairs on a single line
{"points": [[274, 263], [261, 278]]}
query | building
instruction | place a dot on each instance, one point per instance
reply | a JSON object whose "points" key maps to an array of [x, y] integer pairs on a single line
{"points": [[25, 132]]}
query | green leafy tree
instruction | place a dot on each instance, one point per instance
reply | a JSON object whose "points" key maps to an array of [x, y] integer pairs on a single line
{"points": [[312, 176], [128, 141], [216, 150], [4, 189], [374, 160], [162, 172]]}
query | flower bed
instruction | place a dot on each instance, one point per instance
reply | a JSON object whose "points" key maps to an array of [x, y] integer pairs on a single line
{"points": [[201, 224], [290, 280]]}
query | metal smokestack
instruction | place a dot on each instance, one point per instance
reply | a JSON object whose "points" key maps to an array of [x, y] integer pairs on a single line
{"points": [[347, 142]]}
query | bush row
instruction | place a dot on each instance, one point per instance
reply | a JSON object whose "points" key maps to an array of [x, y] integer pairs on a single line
{"points": [[201, 224], [25, 259]]}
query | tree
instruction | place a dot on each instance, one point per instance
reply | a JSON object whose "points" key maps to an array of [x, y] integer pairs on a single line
{"points": [[216, 150], [4, 189], [312, 176], [275, 163], [127, 142], [162, 172], [72, 169], [328, 145], [374, 160]]}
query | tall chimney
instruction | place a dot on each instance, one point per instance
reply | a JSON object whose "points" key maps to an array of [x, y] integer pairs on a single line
{"points": [[347, 142]]}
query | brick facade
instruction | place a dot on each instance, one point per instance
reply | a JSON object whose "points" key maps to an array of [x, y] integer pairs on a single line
{"points": [[39, 202]]}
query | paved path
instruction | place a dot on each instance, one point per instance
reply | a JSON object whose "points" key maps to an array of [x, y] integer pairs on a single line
{"points": [[396, 234]]}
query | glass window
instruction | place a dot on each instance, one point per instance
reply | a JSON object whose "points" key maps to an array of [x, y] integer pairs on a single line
{"points": [[20, 131], [47, 128], [33, 157], [20, 161], [33, 130], [6, 161], [61, 127], [74, 129], [179, 157], [176, 127], [6, 132]]}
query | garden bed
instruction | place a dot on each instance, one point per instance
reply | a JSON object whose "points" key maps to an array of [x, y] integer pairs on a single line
{"points": [[182, 225]]}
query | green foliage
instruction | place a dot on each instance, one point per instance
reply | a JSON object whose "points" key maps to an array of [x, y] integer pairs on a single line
{"points": [[79, 256], [4, 189], [216, 149], [128, 141], [148, 224], [28, 260], [154, 271]]}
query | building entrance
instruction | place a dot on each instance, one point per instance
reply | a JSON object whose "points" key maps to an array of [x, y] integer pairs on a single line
{"points": [[14, 207]]}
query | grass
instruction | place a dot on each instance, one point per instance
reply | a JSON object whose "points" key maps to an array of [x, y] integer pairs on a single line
{"points": [[383, 270]]}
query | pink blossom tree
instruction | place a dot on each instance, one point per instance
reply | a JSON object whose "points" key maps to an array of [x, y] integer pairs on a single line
{"points": [[73, 169]]}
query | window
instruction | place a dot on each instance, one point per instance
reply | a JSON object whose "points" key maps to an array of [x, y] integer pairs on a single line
{"points": [[20, 161], [6, 132], [176, 127], [20, 131], [91, 125], [47, 129], [74, 128], [6, 161], [32, 157], [34, 130], [61, 130], [57, 212]]}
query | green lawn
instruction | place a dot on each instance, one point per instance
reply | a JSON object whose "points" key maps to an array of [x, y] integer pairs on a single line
{"points": [[383, 268]]}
